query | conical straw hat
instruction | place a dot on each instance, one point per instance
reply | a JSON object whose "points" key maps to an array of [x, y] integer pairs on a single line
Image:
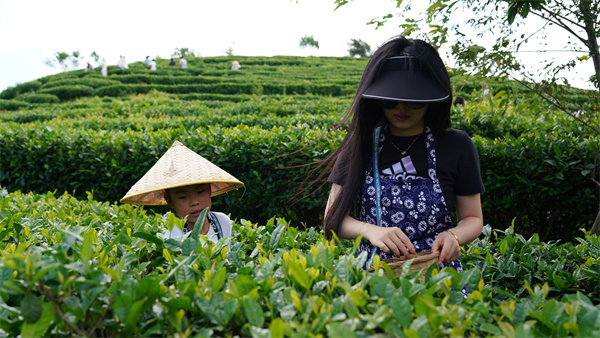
{"points": [[179, 166]]}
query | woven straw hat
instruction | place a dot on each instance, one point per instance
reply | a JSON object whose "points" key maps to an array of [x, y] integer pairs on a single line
{"points": [[179, 166]]}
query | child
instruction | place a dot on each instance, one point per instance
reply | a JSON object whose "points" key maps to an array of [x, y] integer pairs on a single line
{"points": [[186, 182], [403, 164]]}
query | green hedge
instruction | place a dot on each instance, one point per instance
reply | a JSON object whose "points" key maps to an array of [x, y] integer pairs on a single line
{"points": [[226, 88], [542, 180], [69, 92], [90, 81], [12, 92], [12, 104], [38, 98], [159, 105], [66, 159]]}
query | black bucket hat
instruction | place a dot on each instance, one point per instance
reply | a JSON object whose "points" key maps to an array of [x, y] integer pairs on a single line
{"points": [[405, 78]]}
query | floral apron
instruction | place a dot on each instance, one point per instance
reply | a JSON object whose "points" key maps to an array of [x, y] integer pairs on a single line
{"points": [[414, 204]]}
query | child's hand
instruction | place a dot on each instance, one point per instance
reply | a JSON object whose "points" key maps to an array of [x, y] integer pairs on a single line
{"points": [[390, 239], [450, 250]]}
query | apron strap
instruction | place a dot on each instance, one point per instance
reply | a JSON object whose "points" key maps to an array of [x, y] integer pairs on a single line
{"points": [[376, 134], [216, 225]]}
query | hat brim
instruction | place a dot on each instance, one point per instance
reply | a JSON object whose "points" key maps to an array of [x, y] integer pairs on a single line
{"points": [[406, 79], [178, 167], [155, 196]]}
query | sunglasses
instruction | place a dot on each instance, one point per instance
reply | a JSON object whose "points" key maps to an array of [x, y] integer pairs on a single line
{"points": [[386, 104]]}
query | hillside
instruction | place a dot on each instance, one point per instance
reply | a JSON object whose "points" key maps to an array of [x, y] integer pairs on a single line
{"points": [[76, 262], [80, 132]]}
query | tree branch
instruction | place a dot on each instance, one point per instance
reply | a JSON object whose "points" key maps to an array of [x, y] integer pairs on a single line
{"points": [[553, 101], [108, 307], [558, 16], [57, 307], [565, 27], [558, 20]]}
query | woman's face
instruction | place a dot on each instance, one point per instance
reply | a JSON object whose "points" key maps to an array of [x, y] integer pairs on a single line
{"points": [[190, 200], [405, 121]]}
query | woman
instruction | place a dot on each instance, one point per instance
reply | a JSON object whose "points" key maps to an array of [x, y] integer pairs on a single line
{"points": [[403, 164]]}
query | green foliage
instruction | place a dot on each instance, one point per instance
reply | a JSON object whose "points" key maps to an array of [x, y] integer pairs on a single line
{"points": [[21, 88], [65, 61], [69, 92], [507, 258], [94, 82], [309, 41], [38, 98], [81, 267], [12, 104], [260, 75], [358, 48], [248, 121], [183, 52], [115, 160]]}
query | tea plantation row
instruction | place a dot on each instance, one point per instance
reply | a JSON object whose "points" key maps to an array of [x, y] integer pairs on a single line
{"points": [[60, 147], [86, 268], [282, 75]]}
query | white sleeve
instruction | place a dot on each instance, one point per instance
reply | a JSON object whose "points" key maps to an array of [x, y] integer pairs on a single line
{"points": [[174, 233]]}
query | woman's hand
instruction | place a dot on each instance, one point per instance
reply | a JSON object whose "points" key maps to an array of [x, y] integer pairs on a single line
{"points": [[469, 227], [388, 239], [450, 249]]}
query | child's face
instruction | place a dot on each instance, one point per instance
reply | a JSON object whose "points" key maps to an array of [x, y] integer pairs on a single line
{"points": [[190, 200]]}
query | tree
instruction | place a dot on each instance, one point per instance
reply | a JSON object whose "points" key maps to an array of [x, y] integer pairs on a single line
{"points": [[309, 41], [64, 60], [95, 56], [502, 21], [358, 48], [183, 53]]}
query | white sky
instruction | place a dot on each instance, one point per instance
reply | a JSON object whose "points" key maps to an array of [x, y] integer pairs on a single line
{"points": [[31, 31]]}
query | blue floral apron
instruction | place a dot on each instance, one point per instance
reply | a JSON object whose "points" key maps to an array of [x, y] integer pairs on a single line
{"points": [[414, 204]]}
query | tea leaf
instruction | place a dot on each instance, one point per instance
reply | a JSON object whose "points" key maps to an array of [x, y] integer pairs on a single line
{"points": [[339, 330], [276, 237], [150, 238], [221, 244], [253, 311], [39, 327], [277, 328], [199, 224], [31, 308], [87, 247], [189, 246]]}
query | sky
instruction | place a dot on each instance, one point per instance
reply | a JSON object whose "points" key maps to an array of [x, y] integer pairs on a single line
{"points": [[31, 31]]}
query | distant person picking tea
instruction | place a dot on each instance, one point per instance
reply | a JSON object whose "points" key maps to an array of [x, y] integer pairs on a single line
{"points": [[182, 62]]}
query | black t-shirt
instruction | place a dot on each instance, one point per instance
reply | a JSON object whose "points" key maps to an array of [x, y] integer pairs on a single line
{"points": [[457, 162]]}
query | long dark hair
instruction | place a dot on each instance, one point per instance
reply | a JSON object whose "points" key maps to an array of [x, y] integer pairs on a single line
{"points": [[365, 115]]}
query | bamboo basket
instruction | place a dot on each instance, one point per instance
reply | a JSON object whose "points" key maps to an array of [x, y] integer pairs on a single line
{"points": [[420, 260]]}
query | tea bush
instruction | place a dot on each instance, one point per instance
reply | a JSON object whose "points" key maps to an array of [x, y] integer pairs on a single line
{"points": [[69, 92], [526, 177], [537, 162], [12, 104], [27, 87], [38, 98], [67, 156], [86, 268], [94, 82]]}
